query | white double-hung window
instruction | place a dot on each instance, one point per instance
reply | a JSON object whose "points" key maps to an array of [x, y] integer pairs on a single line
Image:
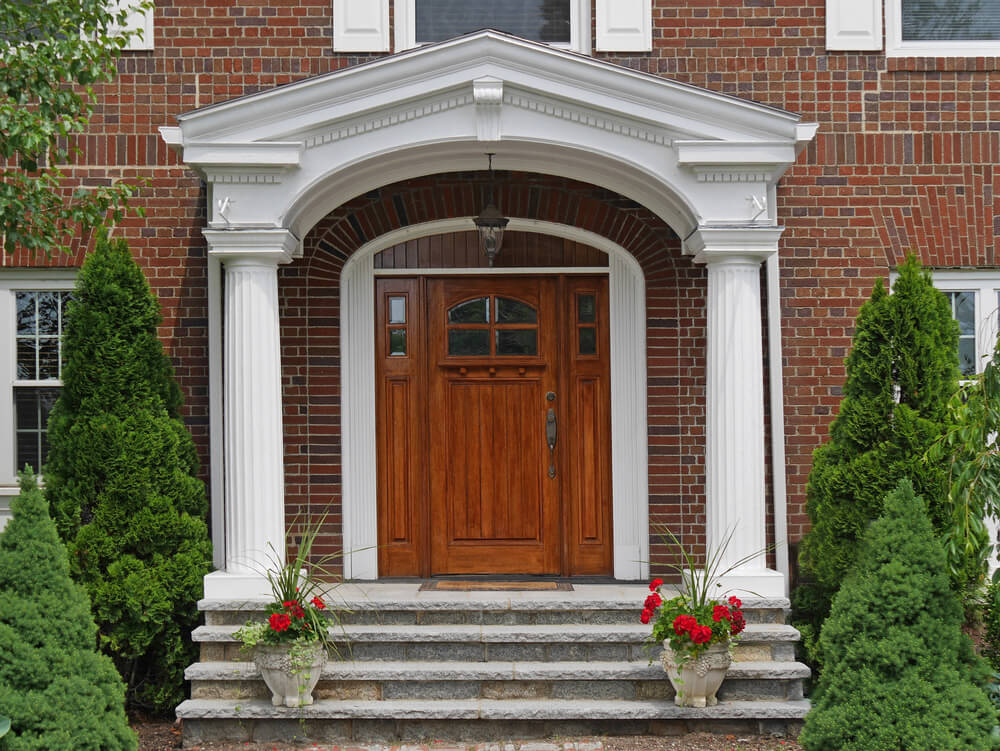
{"points": [[32, 316], [975, 299], [561, 23], [934, 28]]}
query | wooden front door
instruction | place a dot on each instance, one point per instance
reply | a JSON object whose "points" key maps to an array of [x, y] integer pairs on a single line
{"points": [[493, 412]]}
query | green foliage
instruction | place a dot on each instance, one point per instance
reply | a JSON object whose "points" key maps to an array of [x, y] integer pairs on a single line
{"points": [[898, 672], [969, 448], [991, 650], [52, 53], [60, 694], [122, 479], [902, 369]]}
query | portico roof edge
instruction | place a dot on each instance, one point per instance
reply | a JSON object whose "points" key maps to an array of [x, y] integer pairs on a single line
{"points": [[645, 96]]}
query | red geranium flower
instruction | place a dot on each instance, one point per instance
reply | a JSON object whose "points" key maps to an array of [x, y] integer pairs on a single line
{"points": [[684, 623], [701, 634], [289, 603], [735, 602], [646, 615], [318, 602], [655, 584], [280, 622], [719, 612], [653, 601], [738, 623]]}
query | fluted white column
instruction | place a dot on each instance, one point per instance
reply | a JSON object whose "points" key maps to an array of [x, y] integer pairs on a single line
{"points": [[254, 452], [734, 430]]}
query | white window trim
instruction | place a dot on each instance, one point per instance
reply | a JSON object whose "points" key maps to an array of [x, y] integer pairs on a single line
{"points": [[12, 281], [141, 21], [405, 31], [896, 47]]}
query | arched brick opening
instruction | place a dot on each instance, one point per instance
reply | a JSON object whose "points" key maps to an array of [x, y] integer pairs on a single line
{"points": [[675, 319]]}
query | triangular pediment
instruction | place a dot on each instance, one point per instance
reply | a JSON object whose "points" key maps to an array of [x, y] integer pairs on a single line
{"points": [[438, 108], [407, 85]]}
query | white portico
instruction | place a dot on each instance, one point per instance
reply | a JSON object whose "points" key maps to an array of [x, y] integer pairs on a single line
{"points": [[278, 161]]}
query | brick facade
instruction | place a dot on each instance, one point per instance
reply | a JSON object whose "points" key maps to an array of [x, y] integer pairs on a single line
{"points": [[904, 162]]}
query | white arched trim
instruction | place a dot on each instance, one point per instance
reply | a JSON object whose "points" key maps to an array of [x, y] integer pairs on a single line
{"points": [[629, 453]]}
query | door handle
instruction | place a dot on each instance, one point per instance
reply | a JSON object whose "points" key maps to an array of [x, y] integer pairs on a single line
{"points": [[551, 432]]}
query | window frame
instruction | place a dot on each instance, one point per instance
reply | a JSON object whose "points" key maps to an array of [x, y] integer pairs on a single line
{"points": [[985, 286], [896, 47], [405, 31], [11, 282]]}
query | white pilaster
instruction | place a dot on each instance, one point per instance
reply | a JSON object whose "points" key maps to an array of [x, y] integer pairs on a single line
{"points": [[734, 430], [254, 452]]}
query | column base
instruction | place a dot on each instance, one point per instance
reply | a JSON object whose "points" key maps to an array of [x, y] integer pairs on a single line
{"points": [[223, 585], [750, 582]]}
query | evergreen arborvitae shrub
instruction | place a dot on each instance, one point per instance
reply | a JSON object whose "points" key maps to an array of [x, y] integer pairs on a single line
{"points": [[896, 674], [901, 372], [121, 478], [58, 691]]}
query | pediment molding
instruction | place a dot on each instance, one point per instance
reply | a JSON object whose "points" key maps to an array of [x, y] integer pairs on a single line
{"points": [[690, 154]]}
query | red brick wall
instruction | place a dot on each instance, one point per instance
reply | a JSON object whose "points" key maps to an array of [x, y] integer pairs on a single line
{"points": [[904, 160]]}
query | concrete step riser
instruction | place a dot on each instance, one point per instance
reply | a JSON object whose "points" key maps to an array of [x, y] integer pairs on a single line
{"points": [[390, 690], [482, 617], [197, 731], [512, 652]]}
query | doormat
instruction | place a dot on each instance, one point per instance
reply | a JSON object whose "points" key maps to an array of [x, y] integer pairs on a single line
{"points": [[451, 585]]}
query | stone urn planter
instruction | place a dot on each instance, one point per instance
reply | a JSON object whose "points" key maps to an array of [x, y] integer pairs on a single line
{"points": [[291, 671], [697, 682]]}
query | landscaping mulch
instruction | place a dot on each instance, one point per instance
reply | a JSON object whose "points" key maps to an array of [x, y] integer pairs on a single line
{"points": [[163, 735]]}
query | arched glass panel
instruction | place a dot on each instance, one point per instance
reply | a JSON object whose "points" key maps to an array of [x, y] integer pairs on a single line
{"points": [[471, 311]]}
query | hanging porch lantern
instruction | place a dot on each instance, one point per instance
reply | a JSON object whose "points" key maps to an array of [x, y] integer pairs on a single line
{"points": [[490, 224]]}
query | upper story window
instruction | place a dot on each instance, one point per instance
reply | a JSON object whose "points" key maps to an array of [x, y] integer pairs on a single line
{"points": [[540, 20], [942, 27], [561, 23]]}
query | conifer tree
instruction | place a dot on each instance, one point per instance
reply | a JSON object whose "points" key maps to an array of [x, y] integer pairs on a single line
{"points": [[122, 478], [901, 372], [895, 675], [59, 693]]}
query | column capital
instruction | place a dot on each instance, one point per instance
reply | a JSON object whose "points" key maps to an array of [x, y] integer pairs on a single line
{"points": [[252, 246], [732, 244]]}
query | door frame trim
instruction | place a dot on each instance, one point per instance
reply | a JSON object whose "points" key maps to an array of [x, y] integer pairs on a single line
{"points": [[629, 445]]}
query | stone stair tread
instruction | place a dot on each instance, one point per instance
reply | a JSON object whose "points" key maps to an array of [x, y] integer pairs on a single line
{"points": [[491, 709], [560, 633], [446, 601], [493, 671]]}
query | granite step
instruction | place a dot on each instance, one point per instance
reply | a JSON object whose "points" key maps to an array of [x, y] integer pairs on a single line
{"points": [[474, 719], [483, 666], [482, 609], [768, 681], [521, 643]]}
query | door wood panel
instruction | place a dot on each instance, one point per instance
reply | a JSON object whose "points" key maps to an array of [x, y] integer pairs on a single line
{"points": [[463, 462]]}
